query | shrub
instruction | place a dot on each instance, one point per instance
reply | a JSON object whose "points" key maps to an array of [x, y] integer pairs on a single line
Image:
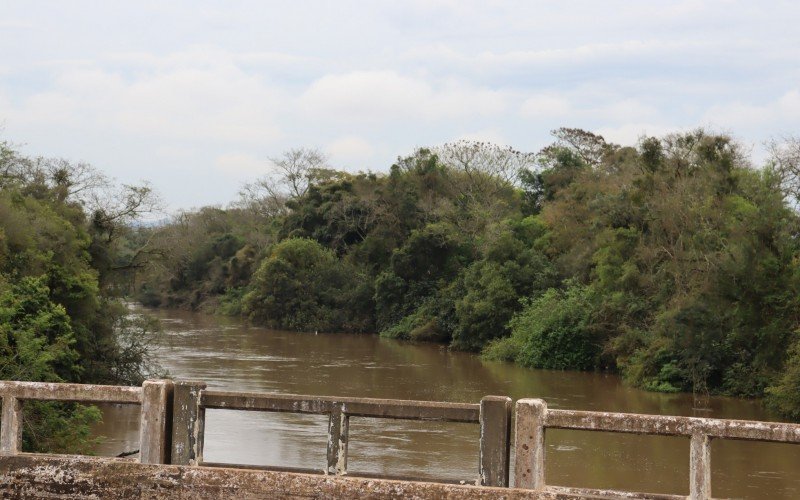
{"points": [[553, 331], [784, 396]]}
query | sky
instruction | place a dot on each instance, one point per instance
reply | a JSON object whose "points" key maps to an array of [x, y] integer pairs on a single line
{"points": [[196, 96]]}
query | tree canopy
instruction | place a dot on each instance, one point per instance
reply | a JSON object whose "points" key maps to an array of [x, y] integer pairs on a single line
{"points": [[61, 227], [673, 261]]}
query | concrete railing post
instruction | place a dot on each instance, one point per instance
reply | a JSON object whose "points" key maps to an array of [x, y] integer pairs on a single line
{"points": [[531, 415], [338, 426], [495, 444], [155, 422], [11, 427], [700, 466], [188, 423]]}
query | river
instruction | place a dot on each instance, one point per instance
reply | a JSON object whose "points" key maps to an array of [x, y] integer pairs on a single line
{"points": [[227, 354]]}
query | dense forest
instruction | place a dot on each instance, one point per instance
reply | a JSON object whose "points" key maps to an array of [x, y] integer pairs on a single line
{"points": [[673, 262], [62, 258]]}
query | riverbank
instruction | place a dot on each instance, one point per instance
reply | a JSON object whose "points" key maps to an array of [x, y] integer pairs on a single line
{"points": [[231, 355]]}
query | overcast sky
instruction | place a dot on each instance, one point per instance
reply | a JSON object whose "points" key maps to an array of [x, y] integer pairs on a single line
{"points": [[195, 96]]}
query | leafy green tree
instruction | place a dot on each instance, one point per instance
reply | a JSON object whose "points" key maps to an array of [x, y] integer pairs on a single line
{"points": [[553, 331], [36, 337], [303, 286], [37, 344], [511, 267], [784, 396], [428, 260], [672, 262], [59, 321]]}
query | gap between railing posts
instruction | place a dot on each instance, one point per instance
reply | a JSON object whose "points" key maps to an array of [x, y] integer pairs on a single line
{"points": [[529, 445], [533, 418], [493, 415], [154, 398]]}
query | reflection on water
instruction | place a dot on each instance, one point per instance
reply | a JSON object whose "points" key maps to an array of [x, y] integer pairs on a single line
{"points": [[230, 355]]}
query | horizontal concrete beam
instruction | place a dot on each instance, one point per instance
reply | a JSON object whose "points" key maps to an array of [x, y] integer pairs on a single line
{"points": [[671, 425], [85, 393], [354, 407], [49, 476]]}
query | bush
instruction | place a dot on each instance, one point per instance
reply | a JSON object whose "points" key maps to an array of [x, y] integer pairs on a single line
{"points": [[303, 286], [230, 304], [502, 349], [489, 303], [784, 396], [552, 331]]}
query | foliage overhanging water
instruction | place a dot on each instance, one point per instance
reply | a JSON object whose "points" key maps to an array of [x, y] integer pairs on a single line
{"points": [[230, 355]]}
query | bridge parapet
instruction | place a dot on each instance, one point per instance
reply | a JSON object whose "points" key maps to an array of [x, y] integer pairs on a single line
{"points": [[493, 414], [173, 427], [533, 418], [154, 397]]}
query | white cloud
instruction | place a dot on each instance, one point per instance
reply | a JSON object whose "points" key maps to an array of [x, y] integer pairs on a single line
{"points": [[219, 103], [350, 151], [204, 56], [627, 111], [386, 95], [757, 122], [222, 104], [544, 105], [208, 91], [241, 165], [596, 53]]}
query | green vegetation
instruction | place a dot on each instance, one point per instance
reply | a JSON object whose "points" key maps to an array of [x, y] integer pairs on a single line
{"points": [[302, 285], [61, 231], [673, 262]]}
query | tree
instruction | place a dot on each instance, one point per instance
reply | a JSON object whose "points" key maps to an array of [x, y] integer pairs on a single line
{"points": [[291, 175], [784, 159], [485, 169], [303, 286], [37, 342], [589, 148], [58, 322], [784, 395]]}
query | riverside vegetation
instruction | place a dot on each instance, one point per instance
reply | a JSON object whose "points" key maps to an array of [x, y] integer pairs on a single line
{"points": [[61, 261], [673, 262]]}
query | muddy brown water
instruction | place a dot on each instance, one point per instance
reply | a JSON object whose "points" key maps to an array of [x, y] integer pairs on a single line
{"points": [[230, 355]]}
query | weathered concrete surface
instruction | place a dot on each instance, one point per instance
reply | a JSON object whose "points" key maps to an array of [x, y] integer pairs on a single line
{"points": [[86, 393], [338, 432], [50, 476], [700, 467], [495, 440], [621, 495], [354, 407], [188, 423], [673, 426], [11, 425], [155, 431], [529, 444]]}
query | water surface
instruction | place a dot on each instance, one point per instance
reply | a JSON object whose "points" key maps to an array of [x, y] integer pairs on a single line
{"points": [[230, 355]]}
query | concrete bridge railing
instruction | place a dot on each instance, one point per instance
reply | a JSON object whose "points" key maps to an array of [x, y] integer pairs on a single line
{"points": [[173, 428], [493, 414], [154, 397], [533, 418]]}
